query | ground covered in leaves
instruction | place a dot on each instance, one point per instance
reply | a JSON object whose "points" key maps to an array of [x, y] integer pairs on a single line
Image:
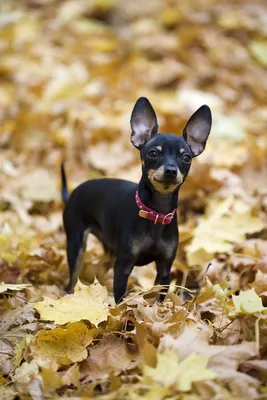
{"points": [[70, 74]]}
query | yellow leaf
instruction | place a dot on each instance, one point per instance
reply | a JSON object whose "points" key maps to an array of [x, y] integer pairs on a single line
{"points": [[88, 303], [63, 346], [51, 380], [2, 380], [8, 286], [193, 369], [71, 376], [248, 302], [225, 223], [165, 371], [20, 348], [169, 372], [259, 52]]}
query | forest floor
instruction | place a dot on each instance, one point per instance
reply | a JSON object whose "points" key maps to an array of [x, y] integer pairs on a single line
{"points": [[70, 73]]}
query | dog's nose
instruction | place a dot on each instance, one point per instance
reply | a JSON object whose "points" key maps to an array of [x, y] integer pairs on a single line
{"points": [[170, 171]]}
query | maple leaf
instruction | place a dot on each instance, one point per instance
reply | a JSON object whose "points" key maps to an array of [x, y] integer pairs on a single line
{"points": [[224, 360], [225, 223], [73, 79], [87, 303], [62, 346], [169, 372], [247, 303], [7, 286]]}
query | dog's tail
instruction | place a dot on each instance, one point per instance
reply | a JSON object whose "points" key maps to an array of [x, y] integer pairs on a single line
{"points": [[64, 186]]}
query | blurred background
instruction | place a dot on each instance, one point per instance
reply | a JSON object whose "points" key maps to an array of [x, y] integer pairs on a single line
{"points": [[70, 73]]}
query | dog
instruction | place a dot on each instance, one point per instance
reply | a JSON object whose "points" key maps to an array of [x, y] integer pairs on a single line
{"points": [[137, 223]]}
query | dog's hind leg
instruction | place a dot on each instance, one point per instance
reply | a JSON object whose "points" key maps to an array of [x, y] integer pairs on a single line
{"points": [[76, 244]]}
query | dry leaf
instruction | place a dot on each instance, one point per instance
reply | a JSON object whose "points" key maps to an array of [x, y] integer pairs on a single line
{"points": [[111, 355], [7, 286], [169, 372], [62, 346], [225, 223], [88, 303], [70, 74], [247, 303]]}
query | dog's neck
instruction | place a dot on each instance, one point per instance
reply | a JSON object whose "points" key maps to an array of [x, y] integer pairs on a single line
{"points": [[162, 203]]}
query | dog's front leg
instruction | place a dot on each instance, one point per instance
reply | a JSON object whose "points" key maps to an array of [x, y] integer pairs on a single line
{"points": [[122, 269], [163, 276]]}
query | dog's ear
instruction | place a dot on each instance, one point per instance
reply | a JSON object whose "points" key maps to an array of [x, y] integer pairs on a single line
{"points": [[143, 122], [197, 130]]}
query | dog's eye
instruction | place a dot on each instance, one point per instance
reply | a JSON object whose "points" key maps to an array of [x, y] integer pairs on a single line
{"points": [[153, 153], [186, 158]]}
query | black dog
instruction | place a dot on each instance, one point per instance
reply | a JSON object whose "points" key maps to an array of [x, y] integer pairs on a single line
{"points": [[137, 223]]}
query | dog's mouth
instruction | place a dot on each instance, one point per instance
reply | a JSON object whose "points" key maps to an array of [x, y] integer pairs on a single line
{"points": [[168, 182], [164, 184]]}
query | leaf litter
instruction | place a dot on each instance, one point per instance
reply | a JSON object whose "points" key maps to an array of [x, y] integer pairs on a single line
{"points": [[70, 73]]}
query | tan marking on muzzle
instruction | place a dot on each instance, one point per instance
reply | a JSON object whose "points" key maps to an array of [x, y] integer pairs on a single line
{"points": [[156, 175]]}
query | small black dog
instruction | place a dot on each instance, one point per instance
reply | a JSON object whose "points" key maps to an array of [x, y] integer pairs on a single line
{"points": [[136, 223]]}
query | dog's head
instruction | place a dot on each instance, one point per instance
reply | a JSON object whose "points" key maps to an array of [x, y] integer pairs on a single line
{"points": [[166, 158]]}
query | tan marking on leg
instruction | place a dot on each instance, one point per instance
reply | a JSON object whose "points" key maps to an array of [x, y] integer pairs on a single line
{"points": [[136, 247], [79, 262]]}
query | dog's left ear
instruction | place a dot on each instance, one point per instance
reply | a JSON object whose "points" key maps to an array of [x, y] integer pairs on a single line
{"points": [[143, 122], [197, 130]]}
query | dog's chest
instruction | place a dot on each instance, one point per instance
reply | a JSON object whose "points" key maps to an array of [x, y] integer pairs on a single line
{"points": [[148, 247], [141, 245]]}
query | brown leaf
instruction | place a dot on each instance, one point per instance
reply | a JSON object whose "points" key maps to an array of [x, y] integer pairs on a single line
{"points": [[111, 355]]}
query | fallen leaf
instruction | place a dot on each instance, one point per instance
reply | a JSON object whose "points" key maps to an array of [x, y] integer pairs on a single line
{"points": [[87, 303], [8, 392], [27, 380], [71, 376], [259, 52], [7, 286], [225, 223], [224, 360], [169, 372], [111, 355], [62, 346], [14, 326], [51, 380], [247, 303]]}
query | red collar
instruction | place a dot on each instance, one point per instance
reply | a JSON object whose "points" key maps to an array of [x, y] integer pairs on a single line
{"points": [[152, 215]]}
